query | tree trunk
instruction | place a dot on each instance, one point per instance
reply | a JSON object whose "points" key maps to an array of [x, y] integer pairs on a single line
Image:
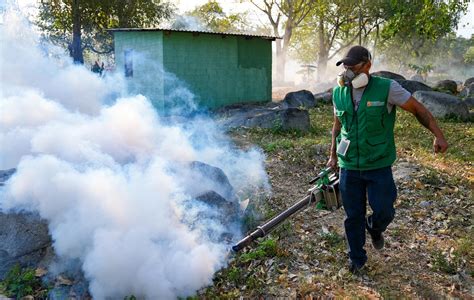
{"points": [[76, 49], [323, 53], [281, 59]]}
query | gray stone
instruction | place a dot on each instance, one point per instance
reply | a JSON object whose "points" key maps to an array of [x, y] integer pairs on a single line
{"points": [[414, 86], [303, 98], [443, 105], [285, 119], [468, 90], [207, 177], [447, 85], [325, 97], [469, 81], [425, 203], [389, 75], [24, 240], [278, 118], [469, 102], [5, 175]]}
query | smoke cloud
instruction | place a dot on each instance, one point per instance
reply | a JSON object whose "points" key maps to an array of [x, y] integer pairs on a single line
{"points": [[110, 175]]}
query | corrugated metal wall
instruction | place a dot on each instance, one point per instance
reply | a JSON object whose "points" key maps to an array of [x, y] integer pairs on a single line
{"points": [[219, 69], [145, 50]]}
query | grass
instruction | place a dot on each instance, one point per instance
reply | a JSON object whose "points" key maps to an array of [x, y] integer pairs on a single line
{"points": [[443, 180], [20, 282]]}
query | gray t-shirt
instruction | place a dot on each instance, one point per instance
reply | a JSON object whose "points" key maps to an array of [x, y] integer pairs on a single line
{"points": [[397, 95]]}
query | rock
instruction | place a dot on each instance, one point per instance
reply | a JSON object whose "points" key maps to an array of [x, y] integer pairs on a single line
{"points": [[284, 119], [417, 77], [425, 203], [469, 81], [447, 85], [217, 220], [469, 102], [325, 97], [303, 98], [204, 177], [24, 239], [5, 175], [443, 105], [277, 118], [389, 75], [414, 86], [467, 91]]}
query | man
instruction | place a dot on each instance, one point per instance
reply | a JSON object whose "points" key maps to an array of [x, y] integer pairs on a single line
{"points": [[364, 148]]}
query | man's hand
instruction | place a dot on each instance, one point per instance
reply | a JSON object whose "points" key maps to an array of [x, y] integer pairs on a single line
{"points": [[440, 145], [332, 162], [427, 120]]}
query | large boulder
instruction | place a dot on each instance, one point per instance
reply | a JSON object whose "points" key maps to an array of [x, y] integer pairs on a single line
{"points": [[389, 75], [469, 81], [203, 177], [285, 119], [467, 91], [281, 118], [447, 85], [325, 97], [5, 175], [303, 98], [24, 240], [443, 105], [469, 102], [414, 86], [24, 237]]}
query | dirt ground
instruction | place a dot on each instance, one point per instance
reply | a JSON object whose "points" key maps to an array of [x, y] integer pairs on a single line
{"points": [[429, 250]]}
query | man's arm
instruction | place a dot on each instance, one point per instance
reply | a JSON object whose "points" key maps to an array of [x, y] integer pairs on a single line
{"points": [[336, 129], [427, 120]]}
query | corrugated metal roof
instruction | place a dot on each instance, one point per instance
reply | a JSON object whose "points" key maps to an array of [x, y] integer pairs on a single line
{"points": [[267, 37]]}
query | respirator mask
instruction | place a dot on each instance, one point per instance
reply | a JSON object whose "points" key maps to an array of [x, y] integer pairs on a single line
{"points": [[349, 78]]}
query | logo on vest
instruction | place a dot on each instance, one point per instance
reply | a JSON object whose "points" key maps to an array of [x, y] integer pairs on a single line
{"points": [[374, 103]]}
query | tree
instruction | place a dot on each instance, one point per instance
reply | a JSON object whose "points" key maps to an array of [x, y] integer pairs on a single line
{"points": [[412, 28], [293, 12], [80, 25], [212, 16], [332, 26], [469, 56]]}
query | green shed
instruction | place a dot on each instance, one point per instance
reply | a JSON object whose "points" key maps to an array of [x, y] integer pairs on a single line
{"points": [[219, 68]]}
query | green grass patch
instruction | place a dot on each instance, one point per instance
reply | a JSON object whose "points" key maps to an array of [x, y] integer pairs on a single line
{"points": [[20, 282], [266, 248], [441, 264]]}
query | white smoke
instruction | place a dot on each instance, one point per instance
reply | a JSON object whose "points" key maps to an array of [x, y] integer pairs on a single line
{"points": [[104, 176]]}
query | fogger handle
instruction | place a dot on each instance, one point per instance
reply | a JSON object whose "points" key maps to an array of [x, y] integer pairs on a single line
{"points": [[266, 228]]}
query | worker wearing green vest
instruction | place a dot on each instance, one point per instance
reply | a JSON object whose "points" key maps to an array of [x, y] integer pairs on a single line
{"points": [[364, 148]]}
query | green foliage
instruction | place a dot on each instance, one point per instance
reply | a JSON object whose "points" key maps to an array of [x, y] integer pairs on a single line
{"points": [[441, 263], [413, 29], [55, 19], [22, 282], [131, 297], [266, 248], [278, 145], [469, 55], [334, 240], [215, 19], [421, 70]]}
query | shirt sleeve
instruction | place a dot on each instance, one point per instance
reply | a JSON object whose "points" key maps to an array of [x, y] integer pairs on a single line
{"points": [[397, 94]]}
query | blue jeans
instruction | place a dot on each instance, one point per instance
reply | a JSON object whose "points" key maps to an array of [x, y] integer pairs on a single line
{"points": [[355, 187]]}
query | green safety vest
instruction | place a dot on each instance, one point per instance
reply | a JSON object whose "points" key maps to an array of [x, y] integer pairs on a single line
{"points": [[369, 129]]}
